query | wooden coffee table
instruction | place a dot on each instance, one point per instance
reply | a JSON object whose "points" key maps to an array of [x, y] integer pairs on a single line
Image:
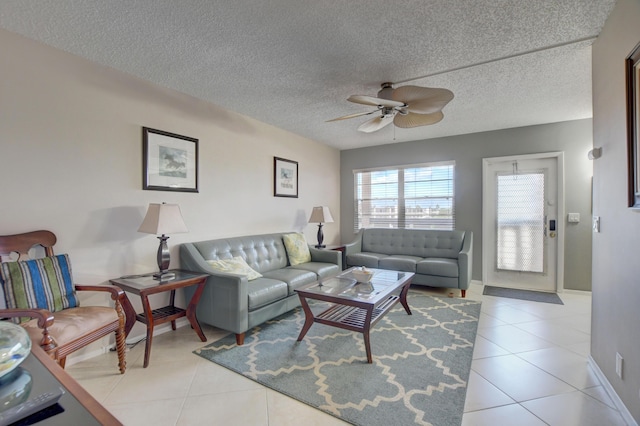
{"points": [[355, 306]]}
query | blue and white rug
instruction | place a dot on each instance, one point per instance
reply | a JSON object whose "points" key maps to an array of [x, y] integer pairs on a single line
{"points": [[420, 369]]}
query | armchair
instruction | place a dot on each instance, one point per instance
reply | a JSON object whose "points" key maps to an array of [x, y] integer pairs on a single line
{"points": [[39, 293]]}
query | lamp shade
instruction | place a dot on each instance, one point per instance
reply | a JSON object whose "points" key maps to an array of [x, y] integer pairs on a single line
{"points": [[163, 219], [321, 214]]}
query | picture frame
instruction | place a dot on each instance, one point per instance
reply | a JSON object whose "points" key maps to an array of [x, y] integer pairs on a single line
{"points": [[169, 161], [632, 71], [285, 178]]}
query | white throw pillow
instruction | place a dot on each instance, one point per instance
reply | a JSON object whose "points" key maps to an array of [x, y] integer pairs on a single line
{"points": [[236, 265]]}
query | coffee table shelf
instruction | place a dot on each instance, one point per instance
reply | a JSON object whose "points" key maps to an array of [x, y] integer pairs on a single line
{"points": [[353, 317]]}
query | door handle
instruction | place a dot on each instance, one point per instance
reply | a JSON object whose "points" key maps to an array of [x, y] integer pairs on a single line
{"points": [[552, 228]]}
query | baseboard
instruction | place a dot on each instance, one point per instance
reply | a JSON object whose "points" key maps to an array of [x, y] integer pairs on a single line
{"points": [[624, 412], [131, 339]]}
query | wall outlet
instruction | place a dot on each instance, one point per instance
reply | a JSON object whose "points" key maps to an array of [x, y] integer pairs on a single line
{"points": [[596, 224], [619, 360]]}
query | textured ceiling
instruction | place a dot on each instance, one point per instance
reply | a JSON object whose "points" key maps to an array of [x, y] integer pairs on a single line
{"points": [[293, 63]]}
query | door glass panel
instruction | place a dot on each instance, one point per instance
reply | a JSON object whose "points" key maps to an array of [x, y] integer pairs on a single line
{"points": [[520, 222]]}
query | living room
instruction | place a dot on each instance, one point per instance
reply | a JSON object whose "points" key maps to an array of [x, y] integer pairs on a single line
{"points": [[72, 162]]}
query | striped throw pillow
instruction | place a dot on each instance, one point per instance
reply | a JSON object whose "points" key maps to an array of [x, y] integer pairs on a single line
{"points": [[39, 283]]}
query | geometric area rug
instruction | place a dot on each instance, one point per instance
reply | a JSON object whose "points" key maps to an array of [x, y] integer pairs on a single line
{"points": [[420, 369], [512, 293]]}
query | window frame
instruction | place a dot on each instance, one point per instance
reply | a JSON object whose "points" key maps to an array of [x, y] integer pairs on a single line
{"points": [[401, 200]]}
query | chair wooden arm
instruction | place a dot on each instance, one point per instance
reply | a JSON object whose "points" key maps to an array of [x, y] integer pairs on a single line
{"points": [[45, 320], [116, 292]]}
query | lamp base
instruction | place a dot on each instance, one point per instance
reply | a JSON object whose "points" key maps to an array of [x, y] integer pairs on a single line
{"points": [[320, 237], [164, 276]]}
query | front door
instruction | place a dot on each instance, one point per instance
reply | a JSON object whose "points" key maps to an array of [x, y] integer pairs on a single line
{"points": [[521, 226]]}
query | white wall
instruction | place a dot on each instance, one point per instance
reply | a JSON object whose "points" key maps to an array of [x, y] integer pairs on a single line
{"points": [[71, 162], [616, 270]]}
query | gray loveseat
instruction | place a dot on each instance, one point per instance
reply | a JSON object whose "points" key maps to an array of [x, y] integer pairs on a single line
{"points": [[438, 258], [230, 301]]}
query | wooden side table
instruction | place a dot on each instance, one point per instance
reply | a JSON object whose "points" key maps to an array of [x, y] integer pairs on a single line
{"points": [[144, 286]]}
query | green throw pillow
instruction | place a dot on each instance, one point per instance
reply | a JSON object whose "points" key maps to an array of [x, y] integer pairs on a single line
{"points": [[236, 265], [39, 283], [297, 248]]}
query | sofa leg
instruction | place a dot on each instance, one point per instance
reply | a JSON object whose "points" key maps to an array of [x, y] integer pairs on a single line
{"points": [[464, 293], [240, 339]]}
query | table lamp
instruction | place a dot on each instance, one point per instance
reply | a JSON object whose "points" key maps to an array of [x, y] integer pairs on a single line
{"points": [[163, 219], [320, 215]]}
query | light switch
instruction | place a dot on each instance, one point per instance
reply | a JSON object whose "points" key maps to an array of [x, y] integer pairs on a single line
{"points": [[596, 224], [574, 218]]}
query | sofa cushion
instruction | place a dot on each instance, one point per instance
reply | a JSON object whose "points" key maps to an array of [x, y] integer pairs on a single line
{"points": [[413, 242], [44, 283], [438, 266], [399, 263], [264, 291], [262, 252], [297, 248], [368, 259], [235, 265], [320, 269], [294, 278]]}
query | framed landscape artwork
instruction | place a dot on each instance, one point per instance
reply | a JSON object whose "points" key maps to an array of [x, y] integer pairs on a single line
{"points": [[285, 178], [169, 161], [632, 66]]}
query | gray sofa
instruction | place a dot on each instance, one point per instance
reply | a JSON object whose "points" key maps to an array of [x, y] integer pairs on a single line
{"points": [[438, 258], [233, 303]]}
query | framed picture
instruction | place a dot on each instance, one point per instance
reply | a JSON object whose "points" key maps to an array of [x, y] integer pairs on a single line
{"points": [[285, 178], [169, 161], [633, 123]]}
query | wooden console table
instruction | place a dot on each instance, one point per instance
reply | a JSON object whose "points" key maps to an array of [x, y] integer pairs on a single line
{"points": [[76, 405], [144, 286]]}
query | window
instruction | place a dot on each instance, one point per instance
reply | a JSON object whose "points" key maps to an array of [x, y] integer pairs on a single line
{"points": [[416, 196]]}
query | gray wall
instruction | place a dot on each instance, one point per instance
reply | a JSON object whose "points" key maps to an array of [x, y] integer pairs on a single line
{"points": [[616, 268], [574, 138]]}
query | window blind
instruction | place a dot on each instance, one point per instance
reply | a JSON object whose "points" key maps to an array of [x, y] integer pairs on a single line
{"points": [[413, 196]]}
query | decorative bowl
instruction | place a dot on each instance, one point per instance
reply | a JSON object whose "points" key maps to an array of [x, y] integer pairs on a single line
{"points": [[15, 346], [363, 276]]}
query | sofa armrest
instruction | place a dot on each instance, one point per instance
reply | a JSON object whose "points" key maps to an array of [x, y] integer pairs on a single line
{"points": [[465, 261], [326, 256], [225, 302], [355, 246]]}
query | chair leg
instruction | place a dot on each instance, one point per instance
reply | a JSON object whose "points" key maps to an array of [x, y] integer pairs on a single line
{"points": [[121, 348], [121, 336]]}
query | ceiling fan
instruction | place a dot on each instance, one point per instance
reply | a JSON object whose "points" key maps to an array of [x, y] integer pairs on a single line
{"points": [[406, 106]]}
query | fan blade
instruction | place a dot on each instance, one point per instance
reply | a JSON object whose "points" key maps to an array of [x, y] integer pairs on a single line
{"points": [[422, 100], [376, 123], [417, 120], [372, 100], [358, 114]]}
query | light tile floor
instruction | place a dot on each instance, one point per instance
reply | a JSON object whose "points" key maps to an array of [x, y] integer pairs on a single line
{"points": [[529, 368]]}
